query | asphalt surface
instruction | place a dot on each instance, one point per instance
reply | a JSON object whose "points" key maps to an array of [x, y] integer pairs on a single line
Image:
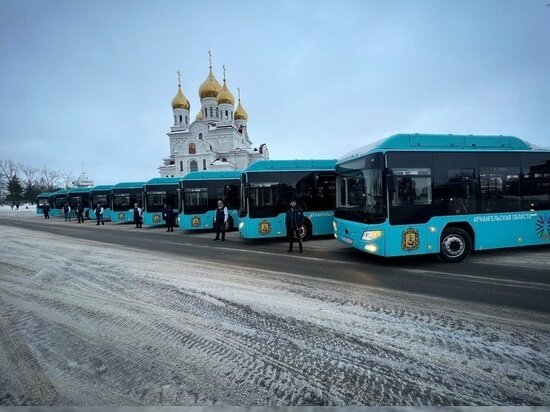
{"points": [[482, 278]]}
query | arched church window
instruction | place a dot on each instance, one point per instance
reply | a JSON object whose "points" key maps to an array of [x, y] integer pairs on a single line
{"points": [[186, 121], [200, 136], [181, 165], [203, 164], [181, 118], [205, 112], [192, 148], [211, 112], [193, 167], [226, 114], [217, 113]]}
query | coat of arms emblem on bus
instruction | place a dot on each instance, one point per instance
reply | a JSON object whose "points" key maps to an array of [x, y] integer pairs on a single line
{"points": [[121, 216], [410, 240], [543, 227], [156, 218], [264, 228], [195, 221]]}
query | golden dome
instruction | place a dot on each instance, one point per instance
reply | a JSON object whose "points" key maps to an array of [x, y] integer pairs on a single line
{"points": [[199, 115], [210, 87], [179, 101], [225, 96], [240, 113]]}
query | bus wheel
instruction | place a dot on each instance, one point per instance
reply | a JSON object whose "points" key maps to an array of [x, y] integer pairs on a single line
{"points": [[456, 245], [305, 231], [229, 225]]}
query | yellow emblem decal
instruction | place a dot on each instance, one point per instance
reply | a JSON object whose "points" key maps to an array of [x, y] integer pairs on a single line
{"points": [[195, 221], [121, 216], [264, 228], [156, 218], [410, 240]]}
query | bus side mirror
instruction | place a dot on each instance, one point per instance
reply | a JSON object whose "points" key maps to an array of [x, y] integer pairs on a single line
{"points": [[392, 183]]}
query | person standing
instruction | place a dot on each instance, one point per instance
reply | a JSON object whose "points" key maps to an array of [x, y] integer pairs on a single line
{"points": [[99, 214], [79, 213], [294, 223], [168, 216], [66, 212], [137, 216], [220, 220], [46, 210]]}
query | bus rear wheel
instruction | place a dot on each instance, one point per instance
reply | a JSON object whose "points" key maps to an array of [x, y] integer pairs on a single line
{"points": [[455, 246]]}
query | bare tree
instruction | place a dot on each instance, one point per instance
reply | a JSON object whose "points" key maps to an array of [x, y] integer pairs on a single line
{"points": [[68, 179], [50, 178], [30, 173], [8, 169]]}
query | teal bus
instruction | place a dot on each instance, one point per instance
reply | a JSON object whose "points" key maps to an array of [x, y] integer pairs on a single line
{"points": [[79, 195], [200, 192], [447, 195], [156, 193], [58, 199], [100, 194], [123, 197], [41, 200], [267, 186]]}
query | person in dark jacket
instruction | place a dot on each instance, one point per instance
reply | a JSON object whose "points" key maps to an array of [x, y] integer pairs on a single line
{"points": [[168, 216], [79, 211], [220, 220], [138, 220], [99, 214], [46, 210], [294, 223]]}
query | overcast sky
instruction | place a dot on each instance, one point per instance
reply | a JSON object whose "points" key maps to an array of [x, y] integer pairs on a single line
{"points": [[92, 81]]}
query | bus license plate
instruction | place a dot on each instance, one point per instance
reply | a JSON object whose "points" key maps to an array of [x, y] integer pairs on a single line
{"points": [[347, 240]]}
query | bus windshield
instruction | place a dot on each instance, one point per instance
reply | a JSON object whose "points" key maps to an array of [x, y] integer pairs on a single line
{"points": [[121, 202], [359, 192], [269, 193], [156, 199], [202, 196]]}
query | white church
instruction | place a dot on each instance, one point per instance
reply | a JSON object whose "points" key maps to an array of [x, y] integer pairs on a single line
{"points": [[218, 137]]}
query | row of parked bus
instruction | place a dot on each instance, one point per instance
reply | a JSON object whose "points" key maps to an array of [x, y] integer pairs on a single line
{"points": [[404, 195]]}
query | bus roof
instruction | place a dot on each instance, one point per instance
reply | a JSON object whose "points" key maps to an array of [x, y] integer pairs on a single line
{"points": [[163, 181], [101, 188], [126, 185], [60, 192], [440, 142], [214, 174], [290, 165], [45, 194], [80, 190]]}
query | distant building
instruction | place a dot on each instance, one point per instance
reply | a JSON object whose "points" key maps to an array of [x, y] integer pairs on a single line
{"points": [[82, 180], [218, 137]]}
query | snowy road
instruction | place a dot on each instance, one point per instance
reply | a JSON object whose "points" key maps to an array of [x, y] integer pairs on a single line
{"points": [[92, 324]]}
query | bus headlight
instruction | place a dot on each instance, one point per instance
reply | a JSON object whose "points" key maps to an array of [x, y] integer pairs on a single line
{"points": [[241, 225], [371, 234]]}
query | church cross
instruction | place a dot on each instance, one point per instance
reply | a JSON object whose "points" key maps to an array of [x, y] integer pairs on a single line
{"points": [[179, 78], [210, 57], [223, 72]]}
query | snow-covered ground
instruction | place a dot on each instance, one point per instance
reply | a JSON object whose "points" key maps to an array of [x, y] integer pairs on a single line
{"points": [[26, 208], [91, 324]]}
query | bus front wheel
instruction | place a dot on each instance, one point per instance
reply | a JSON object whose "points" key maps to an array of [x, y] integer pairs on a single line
{"points": [[305, 231], [456, 245]]}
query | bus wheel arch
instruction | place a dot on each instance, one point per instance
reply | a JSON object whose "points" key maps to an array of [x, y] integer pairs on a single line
{"points": [[456, 242], [307, 230]]}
